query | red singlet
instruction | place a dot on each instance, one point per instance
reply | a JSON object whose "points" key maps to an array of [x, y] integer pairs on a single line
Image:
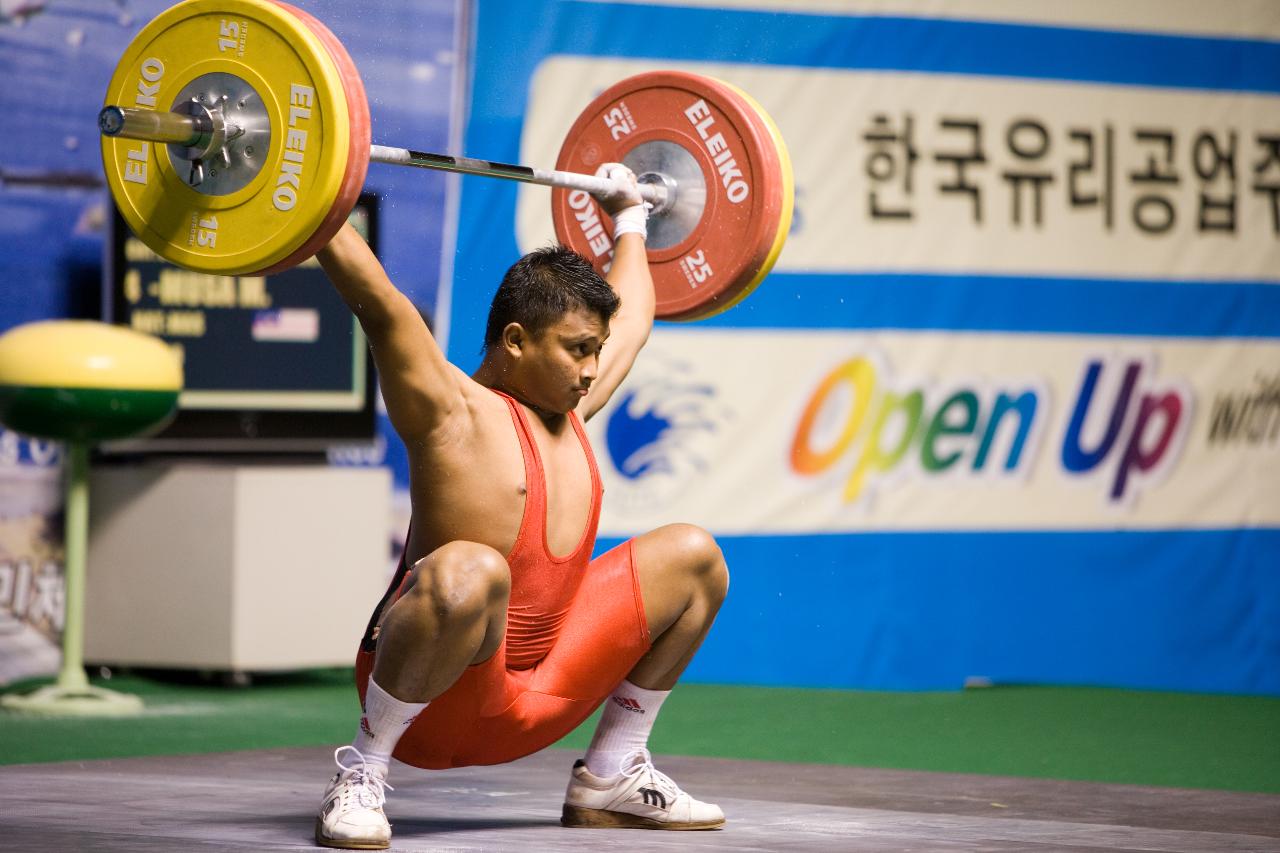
{"points": [[575, 628]]}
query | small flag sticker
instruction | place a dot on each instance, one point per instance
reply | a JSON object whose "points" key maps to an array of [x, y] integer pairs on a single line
{"points": [[287, 325]]}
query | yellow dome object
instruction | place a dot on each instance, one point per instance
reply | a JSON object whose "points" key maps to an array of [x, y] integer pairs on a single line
{"points": [[87, 354], [77, 380]]}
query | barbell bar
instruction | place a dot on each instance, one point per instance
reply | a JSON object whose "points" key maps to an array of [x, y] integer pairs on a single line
{"points": [[236, 138], [199, 131]]}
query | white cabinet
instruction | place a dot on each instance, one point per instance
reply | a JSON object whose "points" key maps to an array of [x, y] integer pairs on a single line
{"points": [[237, 567]]}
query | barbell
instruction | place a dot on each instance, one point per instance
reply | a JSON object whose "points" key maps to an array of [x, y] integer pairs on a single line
{"points": [[236, 139]]}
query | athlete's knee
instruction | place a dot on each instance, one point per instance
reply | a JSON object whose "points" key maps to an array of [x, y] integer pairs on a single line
{"points": [[704, 559], [461, 581]]}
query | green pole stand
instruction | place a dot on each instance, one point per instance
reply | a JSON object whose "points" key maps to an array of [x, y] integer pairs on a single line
{"points": [[72, 694]]}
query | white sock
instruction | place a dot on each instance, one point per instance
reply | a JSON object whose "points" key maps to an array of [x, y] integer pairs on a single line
{"points": [[628, 718], [384, 720]]}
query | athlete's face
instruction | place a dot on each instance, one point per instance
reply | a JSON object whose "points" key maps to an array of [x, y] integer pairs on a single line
{"points": [[562, 361]]}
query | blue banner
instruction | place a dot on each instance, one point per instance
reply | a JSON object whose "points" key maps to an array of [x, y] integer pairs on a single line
{"points": [[1007, 407]]}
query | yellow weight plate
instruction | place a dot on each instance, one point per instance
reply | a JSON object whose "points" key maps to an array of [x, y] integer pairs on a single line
{"points": [[784, 220], [85, 354], [299, 89]]}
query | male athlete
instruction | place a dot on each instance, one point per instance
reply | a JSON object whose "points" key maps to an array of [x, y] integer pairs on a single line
{"points": [[499, 634]]}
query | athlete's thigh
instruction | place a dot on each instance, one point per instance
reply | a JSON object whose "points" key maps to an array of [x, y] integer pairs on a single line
{"points": [[670, 563]]}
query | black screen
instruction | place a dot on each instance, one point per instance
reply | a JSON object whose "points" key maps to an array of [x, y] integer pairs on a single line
{"points": [[274, 364]]}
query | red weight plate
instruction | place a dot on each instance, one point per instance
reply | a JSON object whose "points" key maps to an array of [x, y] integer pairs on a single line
{"points": [[361, 135], [711, 126]]}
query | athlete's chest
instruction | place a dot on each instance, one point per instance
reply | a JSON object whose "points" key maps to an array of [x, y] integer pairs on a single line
{"points": [[563, 463], [503, 475]]}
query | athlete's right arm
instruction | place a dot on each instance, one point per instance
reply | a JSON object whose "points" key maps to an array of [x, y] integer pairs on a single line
{"points": [[420, 387]]}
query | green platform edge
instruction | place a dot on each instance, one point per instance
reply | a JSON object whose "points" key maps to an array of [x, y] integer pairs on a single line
{"points": [[1088, 734]]}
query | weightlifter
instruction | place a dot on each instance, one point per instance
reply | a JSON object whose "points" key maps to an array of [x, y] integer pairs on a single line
{"points": [[499, 634]]}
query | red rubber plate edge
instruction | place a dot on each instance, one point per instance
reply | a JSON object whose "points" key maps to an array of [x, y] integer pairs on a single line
{"points": [[771, 218]]}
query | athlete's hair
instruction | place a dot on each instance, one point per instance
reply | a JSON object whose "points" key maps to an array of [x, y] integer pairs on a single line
{"points": [[542, 287]]}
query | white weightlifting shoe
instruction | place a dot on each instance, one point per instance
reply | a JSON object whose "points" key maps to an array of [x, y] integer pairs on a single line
{"points": [[351, 815], [640, 797]]}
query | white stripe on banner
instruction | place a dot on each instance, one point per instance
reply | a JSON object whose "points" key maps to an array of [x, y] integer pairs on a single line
{"points": [[938, 431], [954, 174], [1244, 18]]}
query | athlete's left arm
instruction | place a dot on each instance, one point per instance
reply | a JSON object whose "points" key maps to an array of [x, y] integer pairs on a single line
{"points": [[629, 328]]}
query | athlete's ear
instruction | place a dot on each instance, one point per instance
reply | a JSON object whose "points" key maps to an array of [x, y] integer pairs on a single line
{"points": [[514, 339]]}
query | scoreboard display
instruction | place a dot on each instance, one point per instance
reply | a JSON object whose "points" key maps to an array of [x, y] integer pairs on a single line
{"points": [[274, 364]]}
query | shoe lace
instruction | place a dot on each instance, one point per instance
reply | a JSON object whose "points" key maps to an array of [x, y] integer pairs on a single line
{"points": [[639, 761], [367, 786]]}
